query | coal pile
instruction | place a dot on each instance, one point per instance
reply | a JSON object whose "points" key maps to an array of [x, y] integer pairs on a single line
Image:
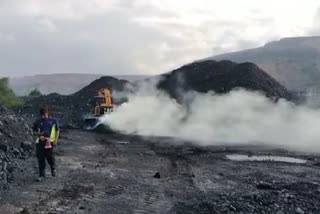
{"points": [[109, 82], [60, 106], [204, 76], [15, 143], [71, 109], [221, 77]]}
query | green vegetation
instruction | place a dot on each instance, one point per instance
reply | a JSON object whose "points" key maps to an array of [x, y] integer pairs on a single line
{"points": [[7, 96], [35, 93]]}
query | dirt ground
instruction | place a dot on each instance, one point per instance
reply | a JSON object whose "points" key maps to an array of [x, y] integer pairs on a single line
{"points": [[121, 174]]}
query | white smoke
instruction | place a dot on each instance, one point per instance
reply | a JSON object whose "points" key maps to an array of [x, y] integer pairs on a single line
{"points": [[208, 119]]}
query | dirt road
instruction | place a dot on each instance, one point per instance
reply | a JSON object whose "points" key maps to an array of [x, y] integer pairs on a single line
{"points": [[116, 174]]}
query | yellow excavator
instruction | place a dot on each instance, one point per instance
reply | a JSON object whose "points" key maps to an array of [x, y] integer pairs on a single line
{"points": [[102, 104]]}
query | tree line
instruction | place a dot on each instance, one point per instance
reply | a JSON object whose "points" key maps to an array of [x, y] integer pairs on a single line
{"points": [[8, 97]]}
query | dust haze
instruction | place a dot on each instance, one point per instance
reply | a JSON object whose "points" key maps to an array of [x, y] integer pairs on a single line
{"points": [[240, 117]]}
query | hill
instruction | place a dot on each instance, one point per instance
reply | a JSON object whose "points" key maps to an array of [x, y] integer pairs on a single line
{"points": [[71, 109], [294, 62], [221, 77], [202, 77]]}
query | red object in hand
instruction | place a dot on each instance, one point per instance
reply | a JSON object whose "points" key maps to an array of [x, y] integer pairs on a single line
{"points": [[48, 144]]}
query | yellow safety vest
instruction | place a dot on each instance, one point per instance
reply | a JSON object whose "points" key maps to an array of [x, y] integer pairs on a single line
{"points": [[53, 135]]}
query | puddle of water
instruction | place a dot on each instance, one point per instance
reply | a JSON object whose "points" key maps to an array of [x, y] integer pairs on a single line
{"points": [[122, 142], [236, 157]]}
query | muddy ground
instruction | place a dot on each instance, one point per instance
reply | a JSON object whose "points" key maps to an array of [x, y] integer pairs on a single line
{"points": [[118, 174]]}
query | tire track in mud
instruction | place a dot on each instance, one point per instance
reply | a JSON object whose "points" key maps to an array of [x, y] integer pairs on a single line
{"points": [[176, 173], [79, 178], [134, 190], [122, 177], [152, 202], [115, 190], [182, 177], [179, 165], [67, 198]]}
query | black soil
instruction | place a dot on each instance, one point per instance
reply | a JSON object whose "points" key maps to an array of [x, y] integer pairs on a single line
{"points": [[15, 144], [123, 174]]}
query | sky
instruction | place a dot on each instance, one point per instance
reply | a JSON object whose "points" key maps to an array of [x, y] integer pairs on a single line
{"points": [[137, 37]]}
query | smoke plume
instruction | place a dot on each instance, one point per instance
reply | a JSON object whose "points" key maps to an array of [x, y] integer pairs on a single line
{"points": [[240, 117]]}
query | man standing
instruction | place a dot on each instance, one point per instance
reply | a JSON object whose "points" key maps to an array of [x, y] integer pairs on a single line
{"points": [[47, 132]]}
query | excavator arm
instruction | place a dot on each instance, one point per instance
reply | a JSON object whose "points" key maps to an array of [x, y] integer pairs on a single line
{"points": [[103, 105], [106, 94]]}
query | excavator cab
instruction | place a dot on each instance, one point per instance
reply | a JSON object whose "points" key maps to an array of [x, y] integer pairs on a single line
{"points": [[101, 105]]}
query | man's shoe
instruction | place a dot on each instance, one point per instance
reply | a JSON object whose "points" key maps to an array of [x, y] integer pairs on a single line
{"points": [[53, 173], [40, 178]]}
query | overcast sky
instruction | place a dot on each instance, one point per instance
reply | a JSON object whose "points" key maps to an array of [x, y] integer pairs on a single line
{"points": [[140, 36]]}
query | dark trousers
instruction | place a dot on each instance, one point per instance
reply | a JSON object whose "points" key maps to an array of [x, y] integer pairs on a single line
{"points": [[43, 155]]}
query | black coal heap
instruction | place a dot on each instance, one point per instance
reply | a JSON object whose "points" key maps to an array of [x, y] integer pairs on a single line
{"points": [[221, 77], [103, 82], [71, 109], [15, 144], [202, 76]]}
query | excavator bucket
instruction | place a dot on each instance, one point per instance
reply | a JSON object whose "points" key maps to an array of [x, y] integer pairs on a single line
{"points": [[91, 123], [95, 124], [102, 106]]}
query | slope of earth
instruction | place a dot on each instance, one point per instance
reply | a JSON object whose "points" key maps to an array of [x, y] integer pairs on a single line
{"points": [[221, 77], [64, 84], [293, 61], [203, 76], [122, 174], [15, 144], [109, 82], [71, 109]]}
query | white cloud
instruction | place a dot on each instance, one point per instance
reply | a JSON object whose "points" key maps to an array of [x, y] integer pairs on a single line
{"points": [[316, 26], [140, 36], [65, 9], [6, 38]]}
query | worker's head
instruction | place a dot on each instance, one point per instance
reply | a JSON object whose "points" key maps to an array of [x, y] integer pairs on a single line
{"points": [[44, 112]]}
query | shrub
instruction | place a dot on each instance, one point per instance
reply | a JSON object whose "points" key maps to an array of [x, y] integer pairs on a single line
{"points": [[35, 93], [7, 96]]}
